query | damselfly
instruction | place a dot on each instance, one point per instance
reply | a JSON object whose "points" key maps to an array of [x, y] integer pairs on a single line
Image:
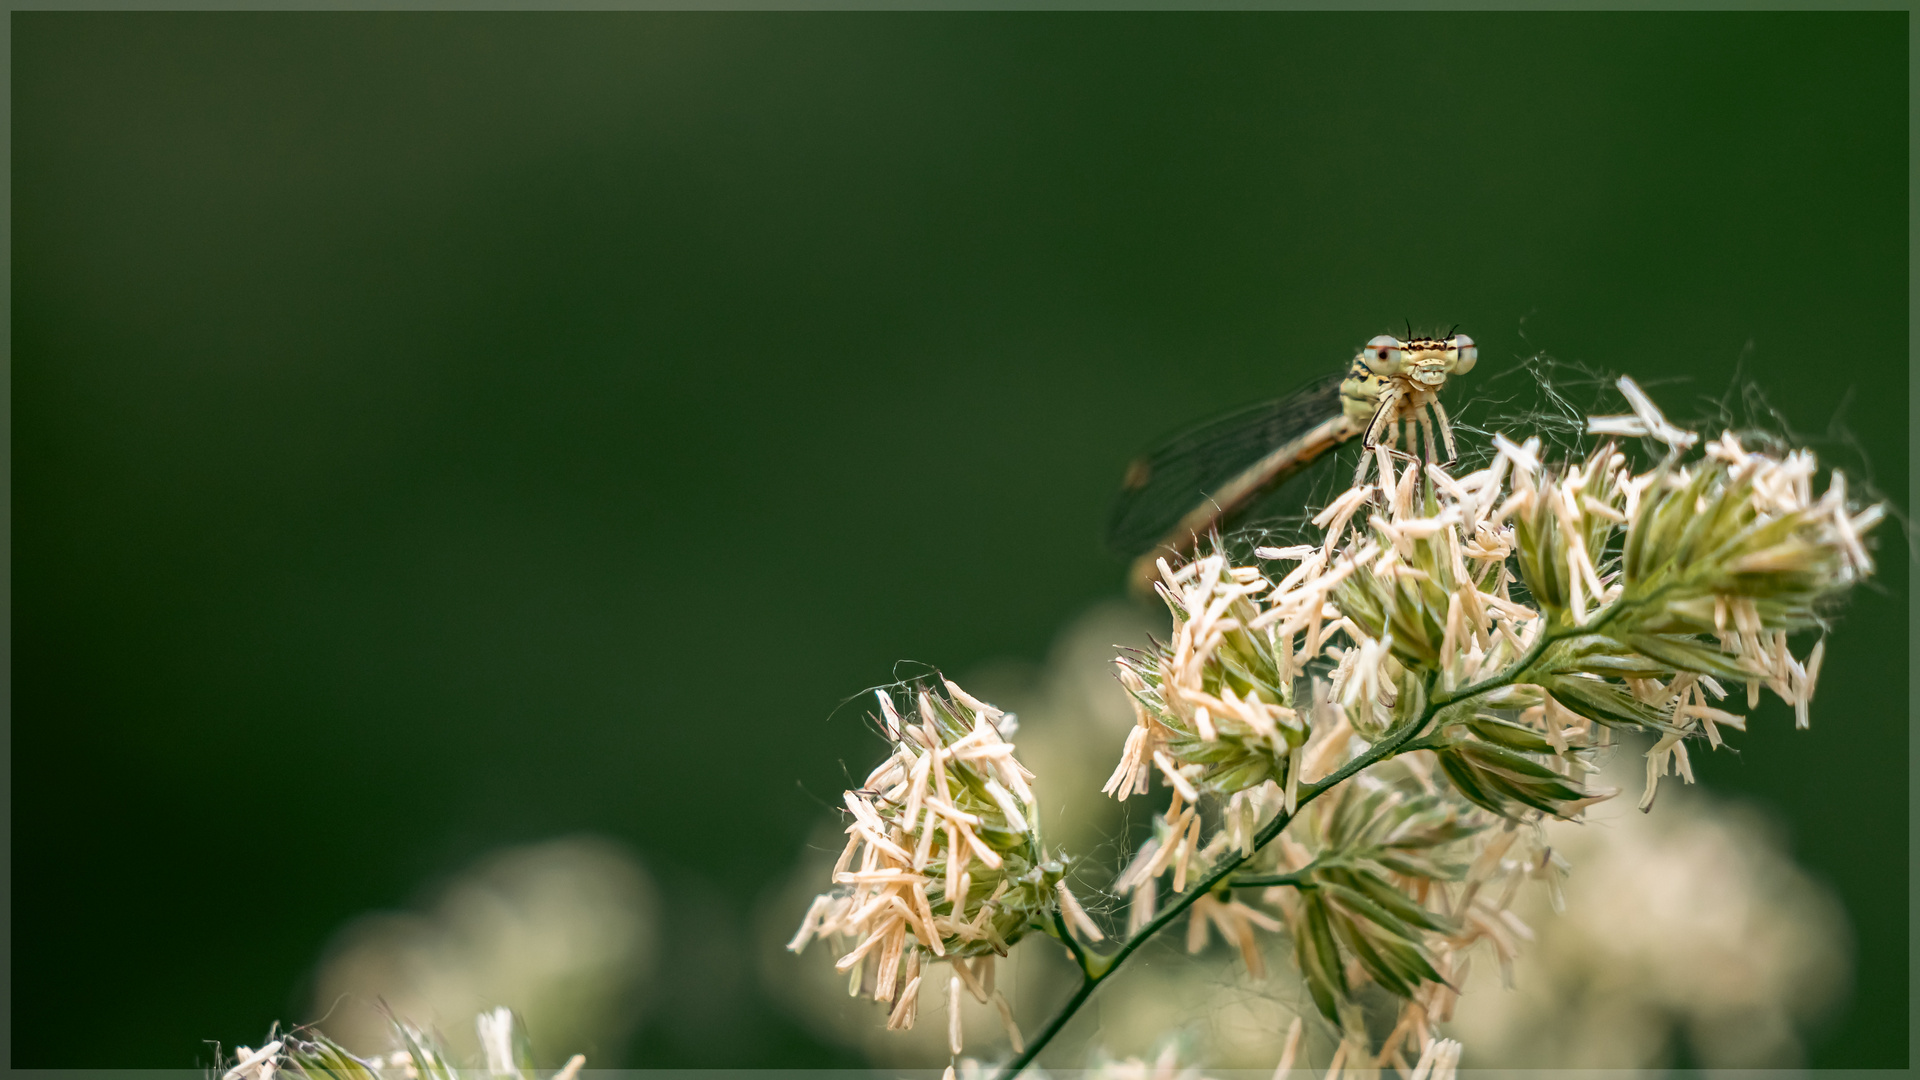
{"points": [[1198, 480]]}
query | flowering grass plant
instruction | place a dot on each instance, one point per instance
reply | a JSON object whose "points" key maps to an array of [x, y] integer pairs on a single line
{"points": [[943, 861], [1359, 738], [307, 1054]]}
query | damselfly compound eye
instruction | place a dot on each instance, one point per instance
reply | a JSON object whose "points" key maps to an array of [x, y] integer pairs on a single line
{"points": [[1468, 353], [1382, 355]]}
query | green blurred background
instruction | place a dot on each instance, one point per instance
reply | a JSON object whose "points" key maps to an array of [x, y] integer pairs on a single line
{"points": [[440, 431]]}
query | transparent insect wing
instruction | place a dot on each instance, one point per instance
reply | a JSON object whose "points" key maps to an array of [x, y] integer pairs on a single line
{"points": [[1465, 353], [1384, 355], [1194, 468]]}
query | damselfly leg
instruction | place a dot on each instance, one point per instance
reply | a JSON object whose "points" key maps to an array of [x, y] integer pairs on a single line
{"points": [[1402, 412]]}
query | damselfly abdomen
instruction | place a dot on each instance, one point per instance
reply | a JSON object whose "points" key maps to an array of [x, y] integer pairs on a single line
{"points": [[1196, 482]]}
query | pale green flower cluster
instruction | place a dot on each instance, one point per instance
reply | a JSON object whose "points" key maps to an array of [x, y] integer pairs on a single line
{"points": [[1358, 751], [943, 860], [310, 1055]]}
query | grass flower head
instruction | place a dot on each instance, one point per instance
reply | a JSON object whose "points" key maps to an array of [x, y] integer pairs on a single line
{"points": [[1361, 738], [943, 858]]}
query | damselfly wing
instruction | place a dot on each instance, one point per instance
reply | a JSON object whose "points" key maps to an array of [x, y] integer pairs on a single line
{"points": [[1199, 480], [1183, 486]]}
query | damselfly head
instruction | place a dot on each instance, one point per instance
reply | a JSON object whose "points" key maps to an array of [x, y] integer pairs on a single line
{"points": [[1424, 362]]}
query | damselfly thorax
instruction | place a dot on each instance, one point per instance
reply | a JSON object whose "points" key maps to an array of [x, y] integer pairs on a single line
{"points": [[1388, 397]]}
